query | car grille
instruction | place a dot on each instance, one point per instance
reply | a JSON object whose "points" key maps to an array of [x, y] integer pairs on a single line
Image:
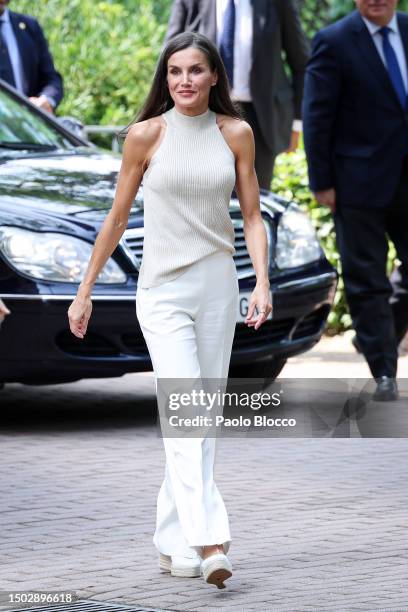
{"points": [[132, 243]]}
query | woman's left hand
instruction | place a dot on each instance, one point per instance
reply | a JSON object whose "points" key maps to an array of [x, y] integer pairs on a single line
{"points": [[261, 299]]}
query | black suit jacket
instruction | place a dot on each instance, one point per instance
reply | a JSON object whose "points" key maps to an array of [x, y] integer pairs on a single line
{"points": [[276, 29], [355, 130], [39, 70]]}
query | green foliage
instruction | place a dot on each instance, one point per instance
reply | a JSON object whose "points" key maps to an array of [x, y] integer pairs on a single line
{"points": [[106, 51], [160, 8], [291, 182], [314, 15]]}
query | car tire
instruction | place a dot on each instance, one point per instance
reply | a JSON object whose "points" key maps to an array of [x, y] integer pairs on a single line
{"points": [[269, 370]]}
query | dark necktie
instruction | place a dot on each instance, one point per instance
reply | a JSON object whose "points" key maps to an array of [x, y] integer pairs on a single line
{"points": [[6, 69], [227, 40], [393, 68]]}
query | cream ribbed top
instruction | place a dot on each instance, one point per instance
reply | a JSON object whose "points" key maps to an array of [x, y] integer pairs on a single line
{"points": [[186, 189]]}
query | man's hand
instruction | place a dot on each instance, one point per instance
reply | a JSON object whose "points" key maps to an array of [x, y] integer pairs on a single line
{"points": [[327, 198], [294, 142], [43, 103]]}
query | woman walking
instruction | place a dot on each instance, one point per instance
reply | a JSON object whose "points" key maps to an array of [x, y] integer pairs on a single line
{"points": [[190, 147]]}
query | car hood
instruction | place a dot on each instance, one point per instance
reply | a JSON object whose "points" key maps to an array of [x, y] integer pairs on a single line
{"points": [[79, 184], [68, 183]]}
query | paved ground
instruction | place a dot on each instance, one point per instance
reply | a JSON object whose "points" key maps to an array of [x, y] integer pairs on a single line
{"points": [[317, 524], [335, 358]]}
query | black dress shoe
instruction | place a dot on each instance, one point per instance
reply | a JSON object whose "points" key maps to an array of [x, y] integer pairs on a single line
{"points": [[387, 389]]}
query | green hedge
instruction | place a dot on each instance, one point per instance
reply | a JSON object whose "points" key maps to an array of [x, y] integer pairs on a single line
{"points": [[106, 51], [291, 182], [315, 14]]}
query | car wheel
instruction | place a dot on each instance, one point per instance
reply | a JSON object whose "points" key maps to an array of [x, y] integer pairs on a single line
{"points": [[269, 370]]}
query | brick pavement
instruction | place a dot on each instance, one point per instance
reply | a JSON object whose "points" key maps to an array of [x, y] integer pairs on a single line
{"points": [[317, 524]]}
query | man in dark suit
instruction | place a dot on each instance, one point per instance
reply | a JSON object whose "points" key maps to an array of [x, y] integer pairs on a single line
{"points": [[251, 36], [355, 121], [25, 61]]}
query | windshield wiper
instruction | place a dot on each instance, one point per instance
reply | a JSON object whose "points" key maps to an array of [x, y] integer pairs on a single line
{"points": [[30, 146]]}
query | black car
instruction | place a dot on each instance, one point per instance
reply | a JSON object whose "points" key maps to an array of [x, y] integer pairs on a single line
{"points": [[55, 190]]}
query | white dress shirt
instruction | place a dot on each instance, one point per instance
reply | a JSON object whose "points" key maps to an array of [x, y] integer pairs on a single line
{"points": [[396, 42], [242, 50], [242, 46], [14, 53]]}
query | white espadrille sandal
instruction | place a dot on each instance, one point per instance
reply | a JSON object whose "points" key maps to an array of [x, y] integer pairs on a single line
{"points": [[183, 567], [216, 568]]}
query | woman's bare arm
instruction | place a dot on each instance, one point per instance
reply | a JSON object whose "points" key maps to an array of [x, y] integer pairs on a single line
{"points": [[241, 140], [137, 144], [129, 179]]}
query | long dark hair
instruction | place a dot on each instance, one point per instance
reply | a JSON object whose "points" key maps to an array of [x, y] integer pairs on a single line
{"points": [[158, 100]]}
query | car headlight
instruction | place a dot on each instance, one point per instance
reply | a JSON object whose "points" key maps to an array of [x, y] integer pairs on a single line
{"points": [[53, 257], [297, 242]]}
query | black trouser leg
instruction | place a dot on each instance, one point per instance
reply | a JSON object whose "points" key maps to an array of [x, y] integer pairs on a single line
{"points": [[264, 157], [397, 227], [363, 247], [379, 310], [399, 301]]}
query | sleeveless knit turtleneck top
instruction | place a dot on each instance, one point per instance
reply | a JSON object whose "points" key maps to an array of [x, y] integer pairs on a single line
{"points": [[186, 189]]}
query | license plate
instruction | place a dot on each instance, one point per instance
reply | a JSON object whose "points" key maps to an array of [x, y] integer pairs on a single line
{"points": [[243, 305]]}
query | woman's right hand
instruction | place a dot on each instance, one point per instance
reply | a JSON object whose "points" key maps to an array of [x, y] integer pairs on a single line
{"points": [[79, 314]]}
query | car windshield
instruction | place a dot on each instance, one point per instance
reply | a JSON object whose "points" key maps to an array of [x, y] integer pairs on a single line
{"points": [[21, 128]]}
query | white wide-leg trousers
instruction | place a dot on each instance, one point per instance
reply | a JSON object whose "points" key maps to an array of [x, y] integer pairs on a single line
{"points": [[188, 324]]}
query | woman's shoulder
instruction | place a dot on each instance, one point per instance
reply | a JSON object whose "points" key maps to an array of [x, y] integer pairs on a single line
{"points": [[145, 133], [236, 131], [233, 125]]}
